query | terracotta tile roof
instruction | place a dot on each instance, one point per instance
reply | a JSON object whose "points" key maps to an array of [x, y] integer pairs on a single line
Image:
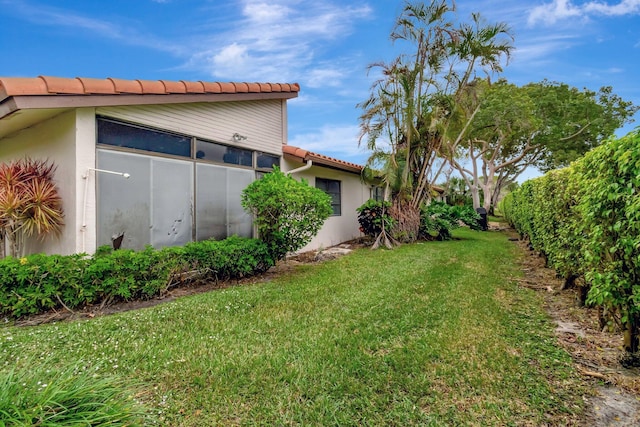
{"points": [[44, 85], [302, 155]]}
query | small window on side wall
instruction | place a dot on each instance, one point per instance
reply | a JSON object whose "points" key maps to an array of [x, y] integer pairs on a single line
{"points": [[332, 188], [377, 193]]}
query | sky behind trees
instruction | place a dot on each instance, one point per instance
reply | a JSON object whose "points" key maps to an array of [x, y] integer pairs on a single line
{"points": [[324, 45]]}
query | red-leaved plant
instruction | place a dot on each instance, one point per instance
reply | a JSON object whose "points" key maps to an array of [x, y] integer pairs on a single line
{"points": [[29, 203]]}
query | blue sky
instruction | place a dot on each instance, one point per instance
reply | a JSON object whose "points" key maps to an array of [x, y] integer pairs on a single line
{"points": [[324, 45]]}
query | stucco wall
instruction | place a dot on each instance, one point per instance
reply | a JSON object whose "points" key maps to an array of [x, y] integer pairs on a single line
{"points": [[337, 229], [54, 139]]}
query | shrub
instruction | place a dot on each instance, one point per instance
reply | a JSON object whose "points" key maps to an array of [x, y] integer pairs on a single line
{"points": [[29, 203], [610, 209], [586, 220], [373, 215], [438, 219], [288, 213], [232, 258], [38, 283]]}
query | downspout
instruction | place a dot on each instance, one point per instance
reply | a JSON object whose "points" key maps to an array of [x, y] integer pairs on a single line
{"points": [[302, 168]]}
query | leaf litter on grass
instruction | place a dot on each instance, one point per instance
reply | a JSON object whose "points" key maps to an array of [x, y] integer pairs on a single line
{"points": [[596, 353]]}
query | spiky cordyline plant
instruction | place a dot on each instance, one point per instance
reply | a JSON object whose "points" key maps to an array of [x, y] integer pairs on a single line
{"points": [[29, 203]]}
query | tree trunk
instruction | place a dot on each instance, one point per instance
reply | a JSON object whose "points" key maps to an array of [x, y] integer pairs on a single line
{"points": [[475, 195], [631, 334], [583, 291], [569, 282], [407, 219]]}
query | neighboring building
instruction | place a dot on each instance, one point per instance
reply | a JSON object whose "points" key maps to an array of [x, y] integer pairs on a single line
{"points": [[187, 148]]}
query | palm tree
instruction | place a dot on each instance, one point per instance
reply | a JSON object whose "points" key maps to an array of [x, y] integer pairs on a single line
{"points": [[29, 203], [414, 113]]}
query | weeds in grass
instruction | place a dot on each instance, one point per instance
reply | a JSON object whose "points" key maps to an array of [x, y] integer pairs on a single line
{"points": [[39, 394]]}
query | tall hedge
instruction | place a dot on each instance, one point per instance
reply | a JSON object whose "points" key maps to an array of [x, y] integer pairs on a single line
{"points": [[586, 220]]}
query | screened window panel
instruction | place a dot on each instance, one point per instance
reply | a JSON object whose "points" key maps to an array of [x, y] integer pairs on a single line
{"points": [[172, 201], [211, 202], [219, 213], [238, 220], [124, 205], [122, 135]]}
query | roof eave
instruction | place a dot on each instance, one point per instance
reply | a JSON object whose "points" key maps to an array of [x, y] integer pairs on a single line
{"points": [[321, 161], [26, 102]]}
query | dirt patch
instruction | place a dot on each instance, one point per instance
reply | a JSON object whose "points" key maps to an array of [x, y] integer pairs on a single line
{"points": [[596, 352]]}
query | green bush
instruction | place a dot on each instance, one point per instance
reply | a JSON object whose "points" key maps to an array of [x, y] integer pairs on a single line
{"points": [[39, 395], [438, 220], [38, 283], [610, 209], [372, 215], [232, 258], [288, 213]]}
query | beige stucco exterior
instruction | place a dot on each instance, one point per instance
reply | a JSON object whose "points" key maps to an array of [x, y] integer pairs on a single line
{"points": [[67, 137], [354, 193], [67, 140]]}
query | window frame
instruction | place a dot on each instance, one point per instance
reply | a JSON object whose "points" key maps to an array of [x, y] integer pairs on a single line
{"points": [[336, 207]]}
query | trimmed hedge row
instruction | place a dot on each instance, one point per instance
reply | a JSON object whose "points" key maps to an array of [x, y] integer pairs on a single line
{"points": [[38, 283], [586, 220]]}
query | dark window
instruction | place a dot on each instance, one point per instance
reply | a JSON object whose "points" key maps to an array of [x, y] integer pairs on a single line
{"points": [[267, 161], [377, 194], [121, 135], [332, 188], [223, 153]]}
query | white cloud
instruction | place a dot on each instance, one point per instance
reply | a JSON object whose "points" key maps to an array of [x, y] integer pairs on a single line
{"points": [[549, 13], [231, 57], [335, 141], [320, 77], [279, 41], [625, 7], [560, 10], [265, 13], [541, 48]]}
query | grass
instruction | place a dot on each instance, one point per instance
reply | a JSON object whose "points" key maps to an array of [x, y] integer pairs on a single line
{"points": [[41, 396], [427, 334]]}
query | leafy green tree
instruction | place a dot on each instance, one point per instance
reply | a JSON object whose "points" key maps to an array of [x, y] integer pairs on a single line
{"points": [[574, 121], [288, 213], [414, 107], [456, 192], [29, 203], [545, 124]]}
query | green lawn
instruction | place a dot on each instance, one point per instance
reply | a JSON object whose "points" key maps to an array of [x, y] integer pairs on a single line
{"points": [[427, 334]]}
